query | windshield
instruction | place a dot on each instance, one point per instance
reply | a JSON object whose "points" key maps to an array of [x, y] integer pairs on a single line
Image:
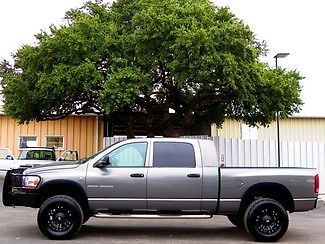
{"points": [[37, 155], [84, 160]]}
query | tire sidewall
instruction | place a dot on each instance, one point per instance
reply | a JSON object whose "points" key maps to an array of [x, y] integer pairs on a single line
{"points": [[250, 219], [69, 204]]}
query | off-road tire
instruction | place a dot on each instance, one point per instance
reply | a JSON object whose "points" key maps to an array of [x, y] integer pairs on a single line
{"points": [[266, 220], [60, 217]]}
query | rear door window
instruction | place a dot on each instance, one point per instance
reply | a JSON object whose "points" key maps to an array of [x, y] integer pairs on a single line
{"points": [[173, 154]]}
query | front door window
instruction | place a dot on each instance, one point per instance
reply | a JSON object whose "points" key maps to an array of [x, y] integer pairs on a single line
{"points": [[129, 155]]}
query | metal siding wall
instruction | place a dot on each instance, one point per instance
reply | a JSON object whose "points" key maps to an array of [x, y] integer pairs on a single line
{"points": [[100, 133], [88, 143], [76, 135], [296, 129], [111, 140], [78, 132], [83, 135], [292, 129], [230, 129]]}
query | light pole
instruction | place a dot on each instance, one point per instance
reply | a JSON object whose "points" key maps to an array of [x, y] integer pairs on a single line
{"points": [[279, 55]]}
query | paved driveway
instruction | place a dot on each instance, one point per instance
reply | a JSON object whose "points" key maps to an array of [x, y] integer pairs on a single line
{"points": [[18, 225]]}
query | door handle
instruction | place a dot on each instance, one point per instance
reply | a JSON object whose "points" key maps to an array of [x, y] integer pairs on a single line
{"points": [[137, 175], [193, 175]]}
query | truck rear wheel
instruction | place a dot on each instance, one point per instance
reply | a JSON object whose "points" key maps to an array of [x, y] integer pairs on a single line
{"points": [[60, 217], [266, 220]]}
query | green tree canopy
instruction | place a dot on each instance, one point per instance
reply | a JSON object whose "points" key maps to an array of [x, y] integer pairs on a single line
{"points": [[138, 58]]}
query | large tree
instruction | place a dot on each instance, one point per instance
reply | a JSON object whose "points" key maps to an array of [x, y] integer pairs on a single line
{"points": [[138, 58]]}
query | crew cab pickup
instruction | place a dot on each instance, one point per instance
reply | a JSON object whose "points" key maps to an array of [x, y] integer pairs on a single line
{"points": [[161, 178]]}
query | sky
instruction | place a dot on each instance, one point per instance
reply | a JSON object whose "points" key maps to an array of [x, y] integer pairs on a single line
{"points": [[293, 26]]}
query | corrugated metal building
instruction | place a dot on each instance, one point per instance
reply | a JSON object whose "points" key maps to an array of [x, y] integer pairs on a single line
{"points": [[305, 129], [83, 133]]}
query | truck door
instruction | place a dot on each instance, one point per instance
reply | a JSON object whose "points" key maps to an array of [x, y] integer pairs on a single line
{"points": [[175, 178], [121, 185]]}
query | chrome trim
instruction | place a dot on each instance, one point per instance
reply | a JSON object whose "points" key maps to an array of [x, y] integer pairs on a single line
{"points": [[230, 200], [117, 199], [305, 199], [175, 200], [209, 200], [153, 199]]}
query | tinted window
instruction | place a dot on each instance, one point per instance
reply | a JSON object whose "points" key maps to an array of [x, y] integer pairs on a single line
{"points": [[129, 155], [36, 155], [173, 154]]}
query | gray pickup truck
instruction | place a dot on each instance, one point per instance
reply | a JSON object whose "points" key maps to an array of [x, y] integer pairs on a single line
{"points": [[161, 178]]}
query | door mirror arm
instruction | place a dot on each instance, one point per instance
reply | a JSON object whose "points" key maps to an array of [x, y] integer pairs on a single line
{"points": [[103, 162]]}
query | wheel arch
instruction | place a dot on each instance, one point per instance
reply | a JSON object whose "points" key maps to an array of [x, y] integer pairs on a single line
{"points": [[271, 190], [63, 187]]}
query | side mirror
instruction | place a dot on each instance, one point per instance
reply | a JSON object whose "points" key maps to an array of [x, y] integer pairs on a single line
{"points": [[9, 157], [103, 162]]}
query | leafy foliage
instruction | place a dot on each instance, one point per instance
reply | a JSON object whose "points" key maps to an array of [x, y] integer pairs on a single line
{"points": [[138, 58]]}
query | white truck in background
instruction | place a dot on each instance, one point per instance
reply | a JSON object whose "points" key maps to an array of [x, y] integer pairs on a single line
{"points": [[32, 156]]}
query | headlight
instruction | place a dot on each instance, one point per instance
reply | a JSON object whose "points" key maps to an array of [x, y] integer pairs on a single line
{"points": [[31, 182]]}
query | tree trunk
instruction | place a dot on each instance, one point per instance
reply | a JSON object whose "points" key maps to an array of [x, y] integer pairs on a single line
{"points": [[188, 121], [130, 126]]}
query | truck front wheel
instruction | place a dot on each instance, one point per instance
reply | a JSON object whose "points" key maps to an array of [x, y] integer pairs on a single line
{"points": [[266, 220], [60, 217]]}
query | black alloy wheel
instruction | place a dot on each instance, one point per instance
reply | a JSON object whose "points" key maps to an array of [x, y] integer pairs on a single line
{"points": [[266, 220], [60, 217]]}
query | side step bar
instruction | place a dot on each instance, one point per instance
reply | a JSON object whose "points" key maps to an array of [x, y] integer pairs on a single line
{"points": [[152, 216]]}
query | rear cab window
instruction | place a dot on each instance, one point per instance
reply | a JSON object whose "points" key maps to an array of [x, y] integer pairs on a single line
{"points": [[173, 154], [31, 154]]}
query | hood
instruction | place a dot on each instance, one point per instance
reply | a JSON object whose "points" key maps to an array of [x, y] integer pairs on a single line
{"points": [[36, 168], [33, 162]]}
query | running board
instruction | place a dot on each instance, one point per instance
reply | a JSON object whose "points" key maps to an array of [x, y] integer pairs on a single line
{"points": [[152, 216]]}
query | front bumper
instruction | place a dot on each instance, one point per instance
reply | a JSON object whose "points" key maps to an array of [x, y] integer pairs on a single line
{"points": [[13, 194]]}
